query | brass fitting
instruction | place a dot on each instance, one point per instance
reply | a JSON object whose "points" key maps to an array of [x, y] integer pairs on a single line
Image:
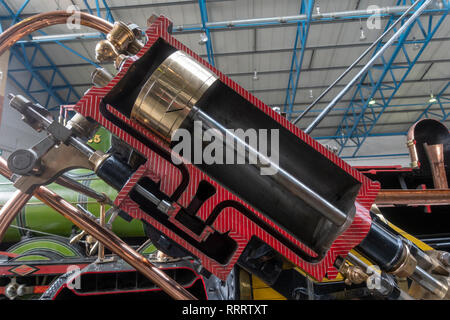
{"points": [[82, 126], [119, 61], [100, 77], [97, 158], [135, 47], [120, 40], [352, 274], [407, 264], [121, 36]]}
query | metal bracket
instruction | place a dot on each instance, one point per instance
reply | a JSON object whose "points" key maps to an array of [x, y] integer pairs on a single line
{"points": [[56, 161]]}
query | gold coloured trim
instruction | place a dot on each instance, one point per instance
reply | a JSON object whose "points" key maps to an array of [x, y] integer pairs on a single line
{"points": [[170, 93]]}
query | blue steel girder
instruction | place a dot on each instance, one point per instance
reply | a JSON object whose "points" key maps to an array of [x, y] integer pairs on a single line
{"points": [[14, 17], [45, 81], [441, 99], [19, 54], [298, 54], [108, 16], [361, 116], [204, 17]]}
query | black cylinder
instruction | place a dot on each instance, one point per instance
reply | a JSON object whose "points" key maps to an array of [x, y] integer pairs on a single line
{"points": [[381, 247], [114, 172]]}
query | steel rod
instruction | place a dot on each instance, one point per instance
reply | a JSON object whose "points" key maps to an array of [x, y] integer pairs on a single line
{"points": [[294, 19], [429, 282], [353, 65], [243, 23], [344, 91], [78, 187], [291, 183]]}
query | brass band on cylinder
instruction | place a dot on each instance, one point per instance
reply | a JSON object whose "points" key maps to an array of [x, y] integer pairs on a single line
{"points": [[170, 93]]}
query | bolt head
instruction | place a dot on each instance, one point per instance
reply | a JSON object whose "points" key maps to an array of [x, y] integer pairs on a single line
{"points": [[22, 161]]}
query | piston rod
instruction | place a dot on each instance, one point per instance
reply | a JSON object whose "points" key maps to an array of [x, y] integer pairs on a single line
{"points": [[283, 177]]}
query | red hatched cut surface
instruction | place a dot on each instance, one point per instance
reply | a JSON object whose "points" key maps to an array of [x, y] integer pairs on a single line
{"points": [[240, 227]]}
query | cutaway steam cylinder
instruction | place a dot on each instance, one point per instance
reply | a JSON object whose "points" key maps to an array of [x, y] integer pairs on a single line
{"points": [[309, 196]]}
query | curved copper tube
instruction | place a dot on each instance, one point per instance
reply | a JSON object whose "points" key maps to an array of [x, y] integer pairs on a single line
{"points": [[106, 237], [11, 209], [411, 138], [29, 25], [4, 170], [13, 206], [114, 243]]}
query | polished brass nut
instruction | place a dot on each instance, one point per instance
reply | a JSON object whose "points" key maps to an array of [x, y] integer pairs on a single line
{"points": [[82, 127], [407, 265], [97, 158], [100, 77]]}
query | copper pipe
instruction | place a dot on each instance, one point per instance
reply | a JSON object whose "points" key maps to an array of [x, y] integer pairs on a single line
{"points": [[11, 209], [114, 243], [107, 238], [4, 170], [413, 197], [424, 129], [435, 154], [13, 206], [29, 25]]}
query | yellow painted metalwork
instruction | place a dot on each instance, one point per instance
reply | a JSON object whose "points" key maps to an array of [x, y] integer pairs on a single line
{"points": [[416, 241], [261, 291]]}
